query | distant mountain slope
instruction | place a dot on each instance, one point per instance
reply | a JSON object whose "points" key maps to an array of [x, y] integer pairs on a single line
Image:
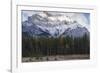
{"points": [[37, 25]]}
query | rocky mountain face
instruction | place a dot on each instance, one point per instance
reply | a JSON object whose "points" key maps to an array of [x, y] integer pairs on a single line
{"points": [[43, 26]]}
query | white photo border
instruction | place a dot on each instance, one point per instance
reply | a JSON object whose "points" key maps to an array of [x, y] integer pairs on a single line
{"points": [[17, 64]]}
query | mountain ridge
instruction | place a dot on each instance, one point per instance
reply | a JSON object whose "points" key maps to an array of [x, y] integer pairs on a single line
{"points": [[40, 26]]}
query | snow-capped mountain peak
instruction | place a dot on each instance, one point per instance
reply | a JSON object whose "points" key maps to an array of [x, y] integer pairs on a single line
{"points": [[54, 26]]}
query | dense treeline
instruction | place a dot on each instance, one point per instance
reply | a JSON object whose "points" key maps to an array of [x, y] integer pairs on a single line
{"points": [[42, 46]]}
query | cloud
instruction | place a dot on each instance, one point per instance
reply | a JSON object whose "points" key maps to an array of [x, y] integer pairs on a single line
{"points": [[81, 19]]}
